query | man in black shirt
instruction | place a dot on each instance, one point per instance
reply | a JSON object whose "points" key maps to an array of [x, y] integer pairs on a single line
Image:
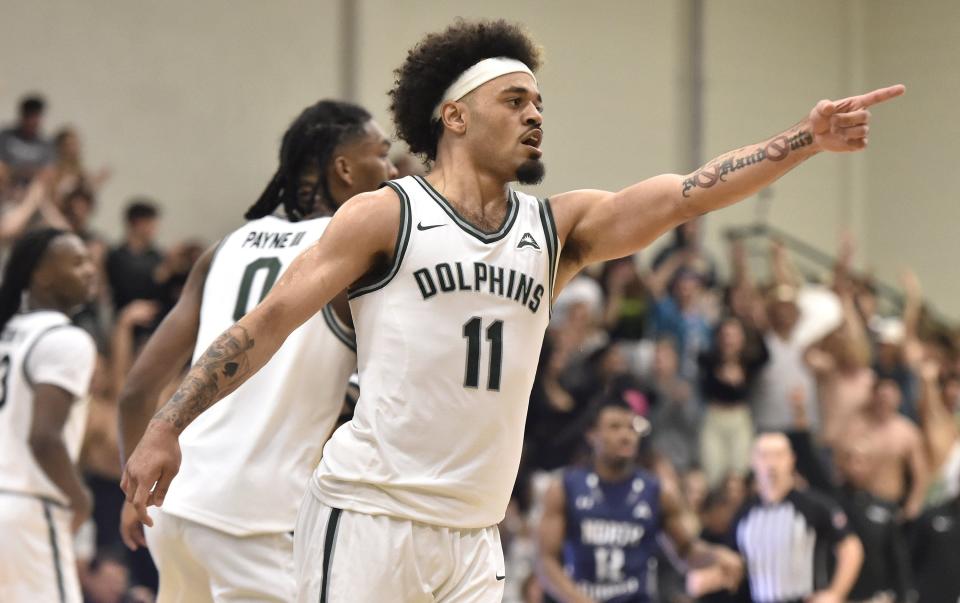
{"points": [[133, 266], [936, 554], [785, 535]]}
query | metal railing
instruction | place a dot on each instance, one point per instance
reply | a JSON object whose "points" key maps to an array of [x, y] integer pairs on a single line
{"points": [[888, 294]]}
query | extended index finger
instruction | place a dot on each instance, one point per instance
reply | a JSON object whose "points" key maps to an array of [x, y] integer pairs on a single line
{"points": [[880, 95]]}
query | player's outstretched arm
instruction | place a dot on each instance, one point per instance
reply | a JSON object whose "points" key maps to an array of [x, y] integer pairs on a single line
{"points": [[359, 238], [550, 543], [598, 225]]}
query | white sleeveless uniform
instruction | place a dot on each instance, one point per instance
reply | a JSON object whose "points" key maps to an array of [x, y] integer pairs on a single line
{"points": [[36, 550], [247, 460], [448, 345]]}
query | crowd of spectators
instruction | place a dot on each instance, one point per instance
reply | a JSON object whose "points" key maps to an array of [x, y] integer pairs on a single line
{"points": [[708, 354], [45, 182], [870, 401]]}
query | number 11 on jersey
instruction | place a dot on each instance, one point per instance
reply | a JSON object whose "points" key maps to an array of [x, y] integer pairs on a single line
{"points": [[471, 332]]}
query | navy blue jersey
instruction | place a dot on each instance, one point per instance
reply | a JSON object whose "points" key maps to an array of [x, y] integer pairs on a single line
{"points": [[611, 534]]}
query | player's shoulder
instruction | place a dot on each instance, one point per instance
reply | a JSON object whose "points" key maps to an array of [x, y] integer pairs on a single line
{"points": [[569, 208], [375, 208], [575, 202], [68, 333], [389, 191], [64, 339], [575, 475], [648, 477]]}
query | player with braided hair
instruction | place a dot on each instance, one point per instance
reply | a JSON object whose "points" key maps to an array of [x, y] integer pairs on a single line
{"points": [[225, 530], [305, 176], [45, 368]]}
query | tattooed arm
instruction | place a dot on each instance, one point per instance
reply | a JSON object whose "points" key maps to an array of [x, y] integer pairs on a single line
{"points": [[598, 225], [360, 238]]}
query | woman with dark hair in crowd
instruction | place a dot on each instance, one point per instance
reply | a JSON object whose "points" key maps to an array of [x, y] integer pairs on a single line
{"points": [[727, 372]]}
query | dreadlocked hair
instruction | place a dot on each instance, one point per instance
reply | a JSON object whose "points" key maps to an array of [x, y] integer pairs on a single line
{"points": [[308, 143], [437, 61], [24, 258]]}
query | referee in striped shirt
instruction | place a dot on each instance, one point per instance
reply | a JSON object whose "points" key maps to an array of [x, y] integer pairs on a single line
{"points": [[785, 535]]}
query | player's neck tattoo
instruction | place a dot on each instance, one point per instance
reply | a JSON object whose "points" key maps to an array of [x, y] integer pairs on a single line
{"points": [[218, 372], [775, 149]]}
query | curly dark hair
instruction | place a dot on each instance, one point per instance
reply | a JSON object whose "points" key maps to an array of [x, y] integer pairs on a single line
{"points": [[433, 64]]}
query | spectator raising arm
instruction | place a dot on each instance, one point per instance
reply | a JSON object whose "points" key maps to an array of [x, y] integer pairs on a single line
{"points": [[37, 200]]}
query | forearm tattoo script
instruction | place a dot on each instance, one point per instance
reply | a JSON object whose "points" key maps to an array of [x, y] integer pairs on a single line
{"points": [[776, 149], [215, 374]]}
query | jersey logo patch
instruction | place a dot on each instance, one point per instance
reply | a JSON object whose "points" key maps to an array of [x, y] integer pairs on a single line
{"points": [[527, 240], [420, 226], [642, 511]]}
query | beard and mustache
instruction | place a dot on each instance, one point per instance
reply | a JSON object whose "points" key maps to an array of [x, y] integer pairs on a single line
{"points": [[531, 171]]}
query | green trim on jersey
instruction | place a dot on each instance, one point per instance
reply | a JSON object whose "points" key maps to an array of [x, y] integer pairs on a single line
{"points": [[553, 243], [403, 237], [485, 237], [55, 550], [26, 357], [339, 330]]}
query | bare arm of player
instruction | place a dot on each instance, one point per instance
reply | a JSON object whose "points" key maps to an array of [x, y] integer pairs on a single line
{"points": [[165, 353], [849, 554], [360, 237], [161, 360], [598, 225], [553, 526], [698, 554], [51, 408]]}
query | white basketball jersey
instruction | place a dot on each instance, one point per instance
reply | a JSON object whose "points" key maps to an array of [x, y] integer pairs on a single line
{"points": [[20, 356], [448, 343], [247, 460]]}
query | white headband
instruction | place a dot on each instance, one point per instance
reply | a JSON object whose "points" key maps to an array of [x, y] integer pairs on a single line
{"points": [[478, 75]]}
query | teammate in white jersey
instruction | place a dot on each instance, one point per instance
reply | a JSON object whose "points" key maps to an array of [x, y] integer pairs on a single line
{"points": [[45, 369], [224, 530], [452, 278]]}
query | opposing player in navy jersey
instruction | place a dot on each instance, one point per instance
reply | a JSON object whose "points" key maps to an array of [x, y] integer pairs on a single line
{"points": [[602, 524], [451, 280]]}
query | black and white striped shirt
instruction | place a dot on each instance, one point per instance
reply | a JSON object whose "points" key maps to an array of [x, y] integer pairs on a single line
{"points": [[786, 545]]}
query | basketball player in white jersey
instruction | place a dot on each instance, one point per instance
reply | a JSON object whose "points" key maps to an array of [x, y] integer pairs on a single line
{"points": [[224, 532], [45, 369], [451, 280]]}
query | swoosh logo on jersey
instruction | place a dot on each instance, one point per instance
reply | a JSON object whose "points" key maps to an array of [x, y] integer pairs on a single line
{"points": [[499, 577], [420, 226]]}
